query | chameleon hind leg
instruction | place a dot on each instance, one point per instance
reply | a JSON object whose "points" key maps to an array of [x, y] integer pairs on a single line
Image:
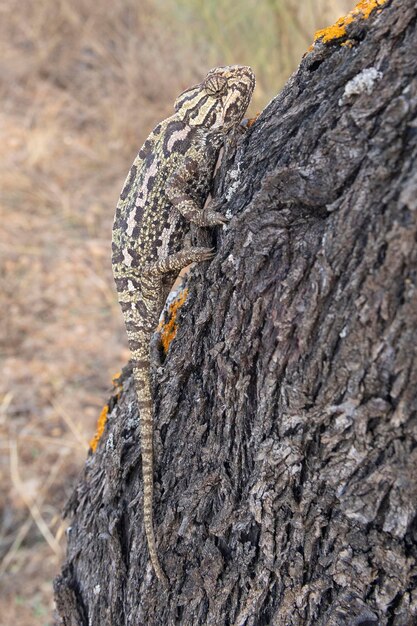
{"points": [[176, 262], [166, 272], [171, 264]]}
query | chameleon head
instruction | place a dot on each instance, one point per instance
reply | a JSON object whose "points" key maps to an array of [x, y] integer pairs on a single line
{"points": [[220, 100]]}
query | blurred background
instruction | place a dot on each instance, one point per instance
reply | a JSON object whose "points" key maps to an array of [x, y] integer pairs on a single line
{"points": [[81, 85]]}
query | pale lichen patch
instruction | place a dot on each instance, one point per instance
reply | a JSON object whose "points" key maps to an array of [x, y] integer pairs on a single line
{"points": [[364, 82], [234, 176]]}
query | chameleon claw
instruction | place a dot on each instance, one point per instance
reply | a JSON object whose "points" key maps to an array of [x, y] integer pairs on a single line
{"points": [[214, 218], [223, 219], [204, 254]]}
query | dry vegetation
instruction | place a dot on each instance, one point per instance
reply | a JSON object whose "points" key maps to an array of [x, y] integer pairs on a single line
{"points": [[81, 85]]}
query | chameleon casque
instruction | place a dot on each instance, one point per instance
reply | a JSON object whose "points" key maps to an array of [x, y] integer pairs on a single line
{"points": [[165, 191]]}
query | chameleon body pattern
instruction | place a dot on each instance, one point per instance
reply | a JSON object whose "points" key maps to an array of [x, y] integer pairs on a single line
{"points": [[163, 194]]}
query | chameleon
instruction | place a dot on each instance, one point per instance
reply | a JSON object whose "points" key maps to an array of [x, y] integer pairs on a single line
{"points": [[163, 196]]}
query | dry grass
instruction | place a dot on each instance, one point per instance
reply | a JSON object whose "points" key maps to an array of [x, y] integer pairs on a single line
{"points": [[81, 85]]}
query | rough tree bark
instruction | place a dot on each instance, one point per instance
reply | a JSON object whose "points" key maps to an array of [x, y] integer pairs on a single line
{"points": [[286, 408]]}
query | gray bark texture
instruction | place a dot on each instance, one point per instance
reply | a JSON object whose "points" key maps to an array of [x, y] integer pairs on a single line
{"points": [[286, 409]]}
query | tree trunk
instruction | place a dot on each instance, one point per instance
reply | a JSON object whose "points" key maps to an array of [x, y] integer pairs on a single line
{"points": [[286, 409]]}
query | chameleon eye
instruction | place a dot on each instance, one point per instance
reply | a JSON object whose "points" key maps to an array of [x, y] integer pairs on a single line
{"points": [[215, 85]]}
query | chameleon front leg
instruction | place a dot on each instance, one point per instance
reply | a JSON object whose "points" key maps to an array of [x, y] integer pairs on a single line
{"points": [[176, 190]]}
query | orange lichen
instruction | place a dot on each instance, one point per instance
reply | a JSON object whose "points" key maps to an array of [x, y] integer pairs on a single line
{"points": [[250, 122], [168, 329], [363, 10], [101, 423], [116, 379]]}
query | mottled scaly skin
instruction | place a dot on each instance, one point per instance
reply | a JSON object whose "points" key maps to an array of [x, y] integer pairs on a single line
{"points": [[164, 192]]}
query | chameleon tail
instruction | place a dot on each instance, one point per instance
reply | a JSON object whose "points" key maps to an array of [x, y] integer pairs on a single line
{"points": [[142, 378], [140, 311]]}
